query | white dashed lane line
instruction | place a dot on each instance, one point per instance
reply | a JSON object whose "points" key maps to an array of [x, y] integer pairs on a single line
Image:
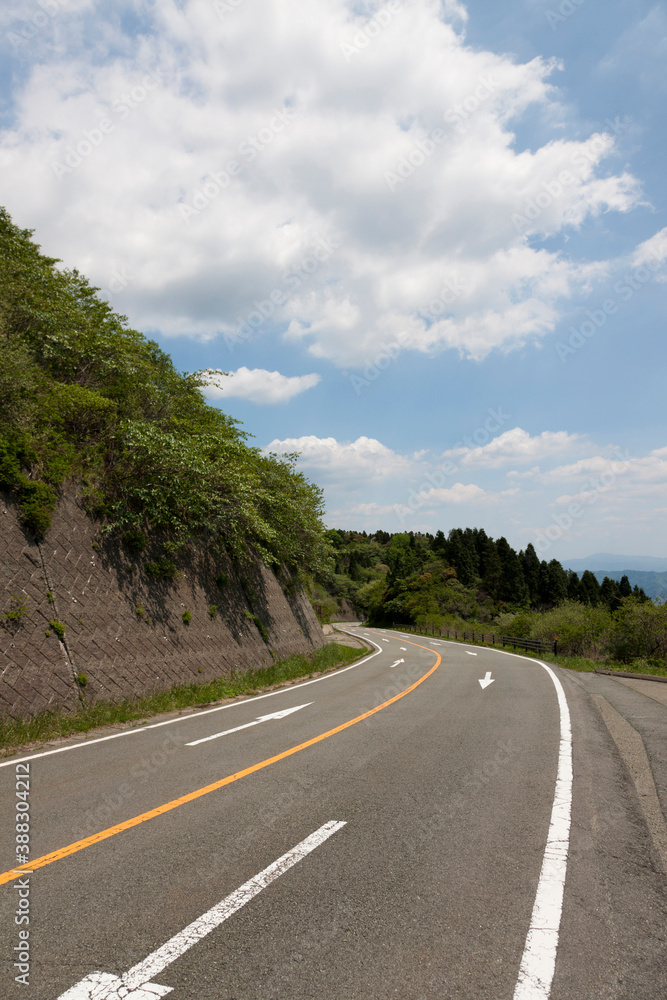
{"points": [[136, 981]]}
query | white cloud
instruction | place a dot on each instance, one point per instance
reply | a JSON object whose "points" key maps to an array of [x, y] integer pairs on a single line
{"points": [[515, 445], [371, 509], [533, 473], [438, 262], [458, 493], [628, 478], [652, 251], [363, 459], [595, 465], [260, 386]]}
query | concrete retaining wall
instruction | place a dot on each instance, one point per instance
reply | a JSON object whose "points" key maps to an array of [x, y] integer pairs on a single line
{"points": [[123, 628]]}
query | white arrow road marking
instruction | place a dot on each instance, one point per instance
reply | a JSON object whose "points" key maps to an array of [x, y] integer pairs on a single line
{"points": [[404, 648], [261, 718], [197, 715], [470, 654], [135, 985], [396, 664], [487, 680]]}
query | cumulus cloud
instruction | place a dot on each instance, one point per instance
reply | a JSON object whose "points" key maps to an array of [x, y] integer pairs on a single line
{"points": [[653, 252], [242, 164], [515, 445], [365, 458], [367, 510], [655, 247], [642, 472], [533, 473], [260, 386], [458, 493]]}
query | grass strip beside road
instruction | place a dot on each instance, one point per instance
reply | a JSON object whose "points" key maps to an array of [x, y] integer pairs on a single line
{"points": [[16, 734], [570, 662]]}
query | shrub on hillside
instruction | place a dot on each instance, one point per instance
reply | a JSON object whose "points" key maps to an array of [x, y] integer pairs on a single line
{"points": [[639, 630], [581, 630]]}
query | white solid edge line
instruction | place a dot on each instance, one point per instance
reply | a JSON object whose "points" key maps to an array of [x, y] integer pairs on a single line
{"points": [[538, 962], [196, 715], [194, 932]]}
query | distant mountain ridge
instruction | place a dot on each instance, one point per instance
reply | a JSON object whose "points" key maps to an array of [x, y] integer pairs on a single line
{"points": [[611, 563], [653, 584]]}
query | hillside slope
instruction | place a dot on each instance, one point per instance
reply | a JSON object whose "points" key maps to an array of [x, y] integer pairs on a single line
{"points": [[144, 541]]}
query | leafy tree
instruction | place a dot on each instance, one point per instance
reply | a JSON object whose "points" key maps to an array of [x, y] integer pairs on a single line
{"points": [[573, 588], [83, 397], [439, 544], [463, 556], [589, 588], [531, 572], [493, 571], [553, 583], [610, 594], [402, 555], [514, 589]]}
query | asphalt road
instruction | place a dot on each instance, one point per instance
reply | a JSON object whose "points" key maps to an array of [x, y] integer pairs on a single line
{"points": [[389, 844]]}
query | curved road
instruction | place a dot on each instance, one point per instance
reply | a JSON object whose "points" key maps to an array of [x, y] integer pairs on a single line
{"points": [[383, 839]]}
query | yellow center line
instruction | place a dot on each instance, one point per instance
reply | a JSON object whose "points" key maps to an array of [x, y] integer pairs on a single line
{"points": [[79, 845]]}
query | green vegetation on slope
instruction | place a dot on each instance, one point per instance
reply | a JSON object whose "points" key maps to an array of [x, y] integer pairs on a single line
{"points": [[468, 579], [15, 733], [416, 578], [84, 397]]}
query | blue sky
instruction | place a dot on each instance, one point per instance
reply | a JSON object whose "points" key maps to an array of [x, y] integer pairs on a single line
{"points": [[427, 239]]}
